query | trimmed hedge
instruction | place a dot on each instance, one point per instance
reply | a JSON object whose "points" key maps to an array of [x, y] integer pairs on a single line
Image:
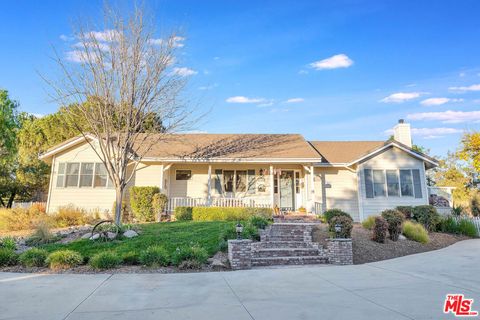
{"points": [[229, 214], [345, 222], [183, 213], [406, 210], [380, 230], [329, 214], [394, 219], [141, 202]]}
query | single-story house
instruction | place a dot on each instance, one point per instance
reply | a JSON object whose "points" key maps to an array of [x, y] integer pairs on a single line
{"points": [[258, 170]]}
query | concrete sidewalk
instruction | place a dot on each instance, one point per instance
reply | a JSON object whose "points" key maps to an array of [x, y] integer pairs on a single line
{"points": [[412, 287]]}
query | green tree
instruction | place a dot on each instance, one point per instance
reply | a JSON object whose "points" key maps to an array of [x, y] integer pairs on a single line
{"points": [[470, 150]]}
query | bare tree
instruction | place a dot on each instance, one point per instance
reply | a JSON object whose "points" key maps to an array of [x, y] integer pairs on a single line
{"points": [[125, 88]]}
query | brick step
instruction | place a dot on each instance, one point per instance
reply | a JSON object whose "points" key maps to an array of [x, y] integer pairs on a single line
{"points": [[283, 244], [298, 260], [284, 252], [284, 238]]}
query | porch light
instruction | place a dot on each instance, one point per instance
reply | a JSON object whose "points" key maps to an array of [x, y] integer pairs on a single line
{"points": [[338, 229], [239, 229]]}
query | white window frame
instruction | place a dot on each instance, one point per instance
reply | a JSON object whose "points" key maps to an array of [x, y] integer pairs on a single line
{"points": [[234, 191], [107, 186], [399, 183]]}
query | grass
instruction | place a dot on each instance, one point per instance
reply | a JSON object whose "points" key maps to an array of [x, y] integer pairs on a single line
{"points": [[168, 235], [415, 231]]}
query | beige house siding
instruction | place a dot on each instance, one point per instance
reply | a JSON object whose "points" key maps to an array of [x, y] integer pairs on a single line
{"points": [[91, 199], [394, 159], [337, 188]]}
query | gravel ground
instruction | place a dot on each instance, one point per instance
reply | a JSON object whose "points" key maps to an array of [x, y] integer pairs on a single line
{"points": [[365, 250]]}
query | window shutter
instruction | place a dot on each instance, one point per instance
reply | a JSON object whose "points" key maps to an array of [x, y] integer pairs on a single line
{"points": [[417, 186], [368, 183], [218, 180]]}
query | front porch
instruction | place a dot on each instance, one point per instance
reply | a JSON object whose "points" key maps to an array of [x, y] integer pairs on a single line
{"points": [[288, 187]]}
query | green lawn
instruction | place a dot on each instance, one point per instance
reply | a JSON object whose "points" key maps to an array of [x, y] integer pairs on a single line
{"points": [[169, 235]]}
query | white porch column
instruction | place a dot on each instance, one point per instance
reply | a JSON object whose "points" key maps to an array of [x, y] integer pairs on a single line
{"points": [[272, 191], [162, 183], [312, 189], [209, 184]]}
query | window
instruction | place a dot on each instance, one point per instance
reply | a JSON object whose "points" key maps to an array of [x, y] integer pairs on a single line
{"points": [[241, 181], [218, 180], [228, 177], [61, 175], [86, 175], [378, 183], [275, 183], [183, 174], [72, 174], [101, 175], [393, 187], [251, 181], [406, 183]]}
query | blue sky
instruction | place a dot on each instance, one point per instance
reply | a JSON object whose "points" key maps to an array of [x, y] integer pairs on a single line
{"points": [[330, 70]]}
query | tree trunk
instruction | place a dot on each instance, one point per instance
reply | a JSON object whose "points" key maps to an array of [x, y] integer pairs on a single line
{"points": [[118, 205], [2, 203], [10, 200]]}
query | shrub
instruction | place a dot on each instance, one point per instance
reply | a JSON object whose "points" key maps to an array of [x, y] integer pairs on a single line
{"points": [[426, 215], [415, 231], [345, 222], [228, 214], [159, 203], [369, 223], [406, 210], [71, 216], [8, 243], [258, 222], [154, 256], [42, 235], [34, 257], [475, 204], [105, 260], [380, 230], [467, 227], [39, 206], [131, 258], [458, 211], [447, 224], [141, 202], [64, 259], [8, 257], [195, 253], [190, 265], [394, 219], [329, 214], [20, 219], [183, 213]]}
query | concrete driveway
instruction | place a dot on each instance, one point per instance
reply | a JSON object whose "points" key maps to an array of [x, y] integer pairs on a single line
{"points": [[412, 287]]}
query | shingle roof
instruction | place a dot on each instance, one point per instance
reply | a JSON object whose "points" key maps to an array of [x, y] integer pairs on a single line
{"points": [[345, 151], [236, 146]]}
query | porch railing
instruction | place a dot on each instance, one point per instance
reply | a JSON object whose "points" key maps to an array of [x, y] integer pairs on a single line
{"points": [[174, 202]]}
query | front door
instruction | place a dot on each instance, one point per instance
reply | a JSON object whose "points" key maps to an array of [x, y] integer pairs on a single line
{"points": [[287, 191]]}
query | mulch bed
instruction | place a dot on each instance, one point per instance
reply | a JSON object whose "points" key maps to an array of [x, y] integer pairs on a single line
{"points": [[365, 250]]}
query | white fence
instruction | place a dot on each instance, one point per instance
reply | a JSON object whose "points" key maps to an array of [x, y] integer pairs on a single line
{"points": [[26, 205], [474, 220], [174, 202]]}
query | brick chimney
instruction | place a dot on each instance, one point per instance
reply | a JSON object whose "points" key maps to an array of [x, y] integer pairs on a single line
{"points": [[402, 133]]}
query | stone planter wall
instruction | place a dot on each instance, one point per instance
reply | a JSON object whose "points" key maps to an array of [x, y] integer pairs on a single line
{"points": [[339, 251], [240, 254]]}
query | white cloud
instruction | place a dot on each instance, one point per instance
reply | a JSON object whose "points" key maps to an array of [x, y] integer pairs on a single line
{"points": [[473, 87], [447, 116], [295, 100], [106, 35], [462, 74], [66, 38], [242, 99], [184, 71], [432, 133], [400, 97], [177, 41], [334, 62], [209, 87], [266, 104], [76, 56], [38, 115], [438, 101], [101, 45]]}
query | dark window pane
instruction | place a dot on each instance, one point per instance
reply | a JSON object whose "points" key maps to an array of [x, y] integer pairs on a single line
{"points": [[368, 183], [71, 179], [61, 168], [72, 168], [251, 181], [60, 180], [416, 183], [218, 180], [393, 186], [297, 182], [241, 181], [87, 168], [228, 177], [101, 176], [379, 183], [183, 174], [406, 183], [86, 180]]}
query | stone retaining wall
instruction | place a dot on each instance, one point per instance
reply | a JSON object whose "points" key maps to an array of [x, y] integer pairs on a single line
{"points": [[339, 251], [240, 254]]}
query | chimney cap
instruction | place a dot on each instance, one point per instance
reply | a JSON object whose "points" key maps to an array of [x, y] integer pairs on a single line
{"points": [[401, 121]]}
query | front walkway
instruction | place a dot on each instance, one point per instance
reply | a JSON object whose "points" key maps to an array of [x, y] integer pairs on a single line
{"points": [[411, 287]]}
